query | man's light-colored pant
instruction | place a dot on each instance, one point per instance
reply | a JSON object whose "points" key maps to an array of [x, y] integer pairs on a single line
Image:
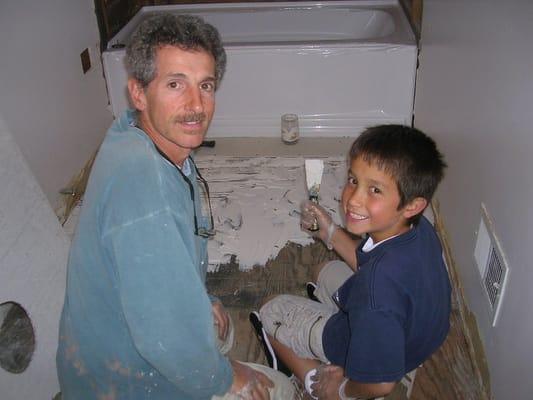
{"points": [[283, 388]]}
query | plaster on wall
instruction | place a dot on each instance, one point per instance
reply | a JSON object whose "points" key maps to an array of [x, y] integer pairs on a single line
{"points": [[265, 193]]}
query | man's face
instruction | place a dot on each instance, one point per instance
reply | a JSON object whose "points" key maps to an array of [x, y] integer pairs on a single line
{"points": [[177, 106]]}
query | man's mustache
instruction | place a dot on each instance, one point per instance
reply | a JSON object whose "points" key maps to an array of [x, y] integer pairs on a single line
{"points": [[192, 117]]}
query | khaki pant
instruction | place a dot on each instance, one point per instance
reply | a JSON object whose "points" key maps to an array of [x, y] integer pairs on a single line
{"points": [[330, 279], [298, 322]]}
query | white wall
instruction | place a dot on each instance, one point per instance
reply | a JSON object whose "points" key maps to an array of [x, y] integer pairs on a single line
{"points": [[56, 114], [475, 96], [33, 257], [52, 119]]}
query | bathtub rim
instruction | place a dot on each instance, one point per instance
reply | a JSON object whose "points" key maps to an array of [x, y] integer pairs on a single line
{"points": [[403, 34]]}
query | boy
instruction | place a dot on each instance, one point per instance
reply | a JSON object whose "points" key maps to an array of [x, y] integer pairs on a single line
{"points": [[385, 309]]}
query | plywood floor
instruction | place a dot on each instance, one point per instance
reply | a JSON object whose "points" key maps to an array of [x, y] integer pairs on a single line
{"points": [[449, 375]]}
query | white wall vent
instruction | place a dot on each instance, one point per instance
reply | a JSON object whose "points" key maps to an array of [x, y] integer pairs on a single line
{"points": [[493, 268]]}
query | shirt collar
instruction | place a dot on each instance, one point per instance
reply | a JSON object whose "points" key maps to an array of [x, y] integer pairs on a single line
{"points": [[131, 118]]}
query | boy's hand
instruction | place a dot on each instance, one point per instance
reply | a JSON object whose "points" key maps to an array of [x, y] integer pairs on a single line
{"points": [[327, 381], [249, 384], [221, 318], [311, 212]]}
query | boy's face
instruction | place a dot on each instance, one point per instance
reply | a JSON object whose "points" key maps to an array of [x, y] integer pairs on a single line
{"points": [[370, 202]]}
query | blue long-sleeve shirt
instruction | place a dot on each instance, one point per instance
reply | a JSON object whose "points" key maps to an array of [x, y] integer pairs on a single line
{"points": [[137, 320]]}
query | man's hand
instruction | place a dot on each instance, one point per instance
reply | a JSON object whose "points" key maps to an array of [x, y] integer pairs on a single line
{"points": [[249, 384], [327, 381], [221, 317]]}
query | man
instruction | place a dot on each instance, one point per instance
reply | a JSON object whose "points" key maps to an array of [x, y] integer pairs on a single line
{"points": [[137, 322]]}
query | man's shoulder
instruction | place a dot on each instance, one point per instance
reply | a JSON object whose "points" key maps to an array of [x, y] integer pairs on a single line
{"points": [[124, 168], [126, 150]]}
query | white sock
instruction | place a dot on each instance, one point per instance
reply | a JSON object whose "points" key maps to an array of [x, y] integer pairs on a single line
{"points": [[308, 382]]}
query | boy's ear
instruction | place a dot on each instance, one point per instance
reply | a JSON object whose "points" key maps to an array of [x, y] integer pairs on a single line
{"points": [[137, 95], [414, 207]]}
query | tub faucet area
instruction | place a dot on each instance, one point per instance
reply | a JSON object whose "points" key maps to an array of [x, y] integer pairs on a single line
{"points": [[340, 66]]}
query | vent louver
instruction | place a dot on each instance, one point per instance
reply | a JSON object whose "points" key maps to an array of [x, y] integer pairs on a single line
{"points": [[491, 263], [494, 277]]}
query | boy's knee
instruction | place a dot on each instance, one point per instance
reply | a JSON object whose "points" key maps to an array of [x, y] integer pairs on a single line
{"points": [[315, 270], [273, 300], [275, 307]]}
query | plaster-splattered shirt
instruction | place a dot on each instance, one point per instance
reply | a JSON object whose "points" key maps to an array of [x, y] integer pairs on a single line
{"points": [[137, 321]]}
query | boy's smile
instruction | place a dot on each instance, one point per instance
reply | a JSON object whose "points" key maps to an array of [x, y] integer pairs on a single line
{"points": [[370, 202]]}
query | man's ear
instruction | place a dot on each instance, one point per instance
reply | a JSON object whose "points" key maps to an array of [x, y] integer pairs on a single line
{"points": [[137, 95], [414, 207]]}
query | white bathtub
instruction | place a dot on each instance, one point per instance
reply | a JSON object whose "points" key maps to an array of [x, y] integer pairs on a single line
{"points": [[340, 66]]}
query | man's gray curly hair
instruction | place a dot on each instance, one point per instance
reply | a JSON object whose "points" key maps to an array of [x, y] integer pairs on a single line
{"points": [[187, 32]]}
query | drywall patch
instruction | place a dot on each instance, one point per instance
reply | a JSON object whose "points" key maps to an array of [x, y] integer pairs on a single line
{"points": [[256, 203]]}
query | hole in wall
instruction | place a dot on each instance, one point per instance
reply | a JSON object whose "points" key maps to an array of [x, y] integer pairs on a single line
{"points": [[17, 338]]}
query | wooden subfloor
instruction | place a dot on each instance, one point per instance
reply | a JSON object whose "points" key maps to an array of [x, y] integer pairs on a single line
{"points": [[450, 374]]}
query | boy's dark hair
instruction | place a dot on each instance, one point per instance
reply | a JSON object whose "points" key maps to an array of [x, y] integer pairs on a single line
{"points": [[408, 155], [187, 32]]}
